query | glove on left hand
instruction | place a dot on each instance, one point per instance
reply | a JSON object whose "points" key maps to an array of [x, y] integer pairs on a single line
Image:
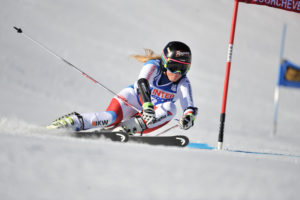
{"points": [[148, 113]]}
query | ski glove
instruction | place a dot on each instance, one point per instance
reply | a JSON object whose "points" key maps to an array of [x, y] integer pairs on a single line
{"points": [[187, 121], [148, 113]]}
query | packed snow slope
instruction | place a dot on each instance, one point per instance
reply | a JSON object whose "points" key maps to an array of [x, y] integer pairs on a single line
{"points": [[98, 37]]}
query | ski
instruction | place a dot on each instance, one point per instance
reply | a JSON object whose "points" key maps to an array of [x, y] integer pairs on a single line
{"points": [[114, 136], [177, 140]]}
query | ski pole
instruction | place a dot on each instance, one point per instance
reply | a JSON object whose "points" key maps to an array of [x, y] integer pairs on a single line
{"points": [[175, 126], [19, 30], [167, 130]]}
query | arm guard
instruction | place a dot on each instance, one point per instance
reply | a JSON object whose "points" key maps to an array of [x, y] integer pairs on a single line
{"points": [[144, 90]]}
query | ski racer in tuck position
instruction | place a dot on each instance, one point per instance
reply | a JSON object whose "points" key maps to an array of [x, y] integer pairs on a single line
{"points": [[161, 82]]}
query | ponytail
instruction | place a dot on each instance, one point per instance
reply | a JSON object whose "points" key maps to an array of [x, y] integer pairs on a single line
{"points": [[149, 55]]}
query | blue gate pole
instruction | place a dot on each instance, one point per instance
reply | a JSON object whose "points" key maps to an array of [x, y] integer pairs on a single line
{"points": [[276, 93]]}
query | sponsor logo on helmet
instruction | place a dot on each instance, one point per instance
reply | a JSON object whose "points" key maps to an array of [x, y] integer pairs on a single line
{"points": [[182, 53]]}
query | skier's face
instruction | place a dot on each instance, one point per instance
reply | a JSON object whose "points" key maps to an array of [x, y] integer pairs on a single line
{"points": [[174, 77]]}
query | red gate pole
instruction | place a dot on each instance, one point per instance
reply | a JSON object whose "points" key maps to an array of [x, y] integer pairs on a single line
{"points": [[228, 65]]}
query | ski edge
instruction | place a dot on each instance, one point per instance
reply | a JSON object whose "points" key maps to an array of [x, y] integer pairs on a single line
{"points": [[113, 136]]}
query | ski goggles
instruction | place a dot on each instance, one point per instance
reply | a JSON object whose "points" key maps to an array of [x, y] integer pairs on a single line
{"points": [[175, 66]]}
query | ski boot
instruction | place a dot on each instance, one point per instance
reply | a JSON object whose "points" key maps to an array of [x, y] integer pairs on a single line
{"points": [[72, 121], [132, 126]]}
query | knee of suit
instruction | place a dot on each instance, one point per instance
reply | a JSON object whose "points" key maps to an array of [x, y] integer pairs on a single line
{"points": [[165, 111], [168, 107], [116, 108]]}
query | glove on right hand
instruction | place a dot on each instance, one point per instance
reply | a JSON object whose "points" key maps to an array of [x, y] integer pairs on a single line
{"points": [[187, 121]]}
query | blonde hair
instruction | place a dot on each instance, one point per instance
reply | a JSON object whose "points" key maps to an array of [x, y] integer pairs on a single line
{"points": [[149, 55]]}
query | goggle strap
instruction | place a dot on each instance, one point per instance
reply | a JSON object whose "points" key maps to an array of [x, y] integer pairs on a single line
{"points": [[166, 60]]}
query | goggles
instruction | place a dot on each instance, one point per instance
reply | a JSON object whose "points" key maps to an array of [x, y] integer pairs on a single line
{"points": [[175, 66]]}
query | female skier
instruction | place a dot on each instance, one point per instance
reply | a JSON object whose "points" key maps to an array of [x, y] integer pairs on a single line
{"points": [[161, 82]]}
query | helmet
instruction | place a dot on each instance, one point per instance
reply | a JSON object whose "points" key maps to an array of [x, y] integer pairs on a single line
{"points": [[176, 57]]}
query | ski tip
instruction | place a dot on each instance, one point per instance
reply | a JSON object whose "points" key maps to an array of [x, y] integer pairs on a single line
{"points": [[183, 140], [19, 30]]}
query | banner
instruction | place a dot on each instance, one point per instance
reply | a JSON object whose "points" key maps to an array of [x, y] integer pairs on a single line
{"points": [[289, 75], [289, 5]]}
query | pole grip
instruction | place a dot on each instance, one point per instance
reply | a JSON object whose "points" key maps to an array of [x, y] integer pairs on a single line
{"points": [[19, 30]]}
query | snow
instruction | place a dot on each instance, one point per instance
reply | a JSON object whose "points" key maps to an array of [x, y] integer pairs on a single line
{"points": [[98, 37]]}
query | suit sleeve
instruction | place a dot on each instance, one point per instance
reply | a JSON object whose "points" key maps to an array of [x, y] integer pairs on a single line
{"points": [[149, 71], [186, 97]]}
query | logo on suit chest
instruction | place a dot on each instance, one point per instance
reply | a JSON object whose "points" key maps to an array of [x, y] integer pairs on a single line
{"points": [[162, 94]]}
